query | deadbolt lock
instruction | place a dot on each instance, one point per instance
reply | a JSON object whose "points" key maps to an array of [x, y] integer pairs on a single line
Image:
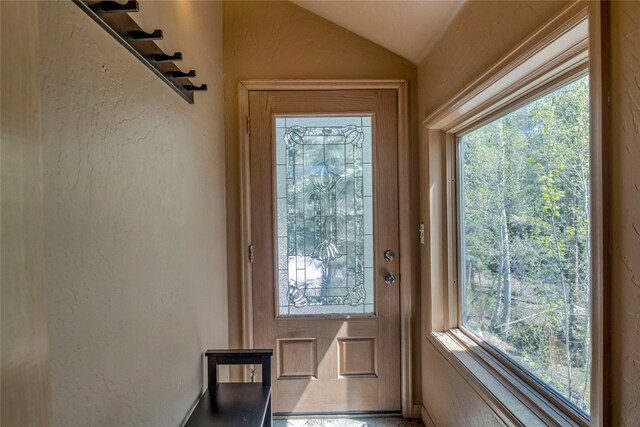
{"points": [[389, 255]]}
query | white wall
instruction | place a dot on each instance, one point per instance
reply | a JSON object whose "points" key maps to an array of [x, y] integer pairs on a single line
{"points": [[134, 207]]}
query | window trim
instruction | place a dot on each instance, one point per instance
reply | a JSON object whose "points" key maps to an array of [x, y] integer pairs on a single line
{"points": [[522, 75], [516, 370]]}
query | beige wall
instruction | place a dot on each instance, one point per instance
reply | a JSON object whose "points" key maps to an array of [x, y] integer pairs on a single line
{"points": [[24, 372], [134, 204], [453, 63], [134, 200], [481, 33], [624, 213], [279, 40]]}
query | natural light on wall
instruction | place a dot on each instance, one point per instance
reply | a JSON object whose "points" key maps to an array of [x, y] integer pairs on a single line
{"points": [[525, 238]]}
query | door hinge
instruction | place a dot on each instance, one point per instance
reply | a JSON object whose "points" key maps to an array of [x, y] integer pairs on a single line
{"points": [[250, 253], [421, 233], [248, 125]]}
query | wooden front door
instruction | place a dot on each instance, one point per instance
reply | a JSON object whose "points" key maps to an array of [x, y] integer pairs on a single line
{"points": [[324, 236]]}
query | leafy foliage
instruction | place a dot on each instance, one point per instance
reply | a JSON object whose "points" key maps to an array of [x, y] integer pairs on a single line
{"points": [[526, 237]]}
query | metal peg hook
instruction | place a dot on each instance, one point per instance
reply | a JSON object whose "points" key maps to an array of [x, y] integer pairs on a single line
{"points": [[192, 88], [115, 7], [161, 57], [181, 74], [140, 36]]}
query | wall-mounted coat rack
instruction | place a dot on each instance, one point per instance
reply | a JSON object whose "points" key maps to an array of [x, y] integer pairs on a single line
{"points": [[114, 18]]}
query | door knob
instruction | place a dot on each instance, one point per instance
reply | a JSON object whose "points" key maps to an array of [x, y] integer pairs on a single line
{"points": [[390, 278]]}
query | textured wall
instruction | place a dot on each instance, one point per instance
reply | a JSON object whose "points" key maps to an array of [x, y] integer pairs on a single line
{"points": [[24, 348], [448, 398], [500, 26], [624, 213], [279, 40], [134, 217], [480, 34]]}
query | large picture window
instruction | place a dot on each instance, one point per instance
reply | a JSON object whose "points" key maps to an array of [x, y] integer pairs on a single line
{"points": [[524, 238]]}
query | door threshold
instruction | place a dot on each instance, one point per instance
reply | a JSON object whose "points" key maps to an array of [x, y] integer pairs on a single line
{"points": [[351, 414]]}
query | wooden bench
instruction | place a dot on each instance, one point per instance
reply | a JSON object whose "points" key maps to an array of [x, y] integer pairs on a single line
{"points": [[235, 404]]}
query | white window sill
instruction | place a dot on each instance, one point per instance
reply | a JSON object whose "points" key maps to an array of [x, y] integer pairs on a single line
{"points": [[514, 401]]}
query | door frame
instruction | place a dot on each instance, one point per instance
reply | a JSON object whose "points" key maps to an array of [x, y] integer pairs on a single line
{"points": [[406, 281]]}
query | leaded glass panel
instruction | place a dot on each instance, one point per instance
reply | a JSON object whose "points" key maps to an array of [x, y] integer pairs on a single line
{"points": [[324, 190]]}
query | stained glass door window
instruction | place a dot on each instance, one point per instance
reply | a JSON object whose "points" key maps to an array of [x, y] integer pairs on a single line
{"points": [[324, 191]]}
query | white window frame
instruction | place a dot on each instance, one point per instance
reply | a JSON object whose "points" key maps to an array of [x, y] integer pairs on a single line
{"points": [[567, 46]]}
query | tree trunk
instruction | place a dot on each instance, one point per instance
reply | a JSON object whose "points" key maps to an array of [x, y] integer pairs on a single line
{"points": [[505, 315], [565, 304]]}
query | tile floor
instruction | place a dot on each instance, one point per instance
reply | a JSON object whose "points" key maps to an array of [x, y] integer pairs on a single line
{"points": [[348, 422]]}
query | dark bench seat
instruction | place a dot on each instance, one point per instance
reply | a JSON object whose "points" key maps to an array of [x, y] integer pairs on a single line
{"points": [[235, 404]]}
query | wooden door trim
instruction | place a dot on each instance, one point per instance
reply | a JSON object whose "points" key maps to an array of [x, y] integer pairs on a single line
{"points": [[406, 282]]}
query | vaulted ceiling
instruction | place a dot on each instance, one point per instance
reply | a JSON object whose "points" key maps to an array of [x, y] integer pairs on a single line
{"points": [[408, 28]]}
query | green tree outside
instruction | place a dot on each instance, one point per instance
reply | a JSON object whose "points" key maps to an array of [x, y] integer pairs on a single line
{"points": [[526, 237]]}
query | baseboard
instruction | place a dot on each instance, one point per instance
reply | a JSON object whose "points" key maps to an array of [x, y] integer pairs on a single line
{"points": [[416, 411], [339, 414], [426, 419], [193, 407]]}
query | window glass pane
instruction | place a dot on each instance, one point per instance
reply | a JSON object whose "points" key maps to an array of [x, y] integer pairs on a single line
{"points": [[525, 235], [325, 215]]}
